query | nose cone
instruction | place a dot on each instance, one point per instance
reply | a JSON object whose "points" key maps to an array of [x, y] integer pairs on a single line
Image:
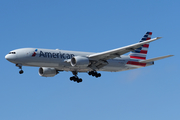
{"points": [[10, 57], [6, 57]]}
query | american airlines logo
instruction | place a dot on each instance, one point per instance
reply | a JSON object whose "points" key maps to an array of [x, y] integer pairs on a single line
{"points": [[55, 55], [35, 52]]}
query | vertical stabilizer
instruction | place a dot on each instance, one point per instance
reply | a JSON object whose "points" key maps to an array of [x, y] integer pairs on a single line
{"points": [[140, 53]]}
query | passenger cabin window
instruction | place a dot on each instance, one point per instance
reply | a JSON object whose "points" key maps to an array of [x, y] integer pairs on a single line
{"points": [[12, 53]]}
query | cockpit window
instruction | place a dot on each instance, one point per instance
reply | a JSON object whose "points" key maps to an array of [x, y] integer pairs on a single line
{"points": [[12, 53]]}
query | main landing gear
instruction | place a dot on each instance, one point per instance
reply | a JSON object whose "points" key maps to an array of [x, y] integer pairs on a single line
{"points": [[75, 78], [94, 73], [20, 67]]}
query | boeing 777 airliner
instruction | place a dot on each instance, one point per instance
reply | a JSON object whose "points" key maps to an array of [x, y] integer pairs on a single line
{"points": [[51, 62]]}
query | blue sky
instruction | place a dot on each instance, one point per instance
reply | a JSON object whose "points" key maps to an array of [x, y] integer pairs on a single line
{"points": [[150, 93]]}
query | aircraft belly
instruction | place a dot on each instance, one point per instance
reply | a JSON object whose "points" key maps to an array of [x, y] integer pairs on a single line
{"points": [[44, 62]]}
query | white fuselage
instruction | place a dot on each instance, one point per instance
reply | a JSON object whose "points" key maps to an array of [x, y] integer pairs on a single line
{"points": [[59, 59]]}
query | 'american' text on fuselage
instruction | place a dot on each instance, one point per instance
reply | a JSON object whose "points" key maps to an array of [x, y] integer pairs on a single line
{"points": [[56, 55]]}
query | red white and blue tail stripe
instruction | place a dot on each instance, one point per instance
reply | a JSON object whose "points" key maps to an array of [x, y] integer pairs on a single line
{"points": [[140, 53]]}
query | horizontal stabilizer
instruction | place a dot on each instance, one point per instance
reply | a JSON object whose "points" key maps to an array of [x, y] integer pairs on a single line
{"points": [[154, 59]]}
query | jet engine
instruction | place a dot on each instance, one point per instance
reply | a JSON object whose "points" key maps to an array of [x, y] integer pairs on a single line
{"points": [[47, 72], [80, 61]]}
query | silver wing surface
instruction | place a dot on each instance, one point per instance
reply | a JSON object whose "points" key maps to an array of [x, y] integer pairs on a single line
{"points": [[119, 51]]}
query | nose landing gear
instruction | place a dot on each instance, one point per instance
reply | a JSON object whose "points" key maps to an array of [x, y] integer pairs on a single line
{"points": [[20, 67], [21, 72]]}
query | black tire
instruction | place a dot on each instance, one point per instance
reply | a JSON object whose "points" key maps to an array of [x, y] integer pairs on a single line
{"points": [[75, 79], [99, 75], [93, 74], [21, 72], [80, 80], [71, 78]]}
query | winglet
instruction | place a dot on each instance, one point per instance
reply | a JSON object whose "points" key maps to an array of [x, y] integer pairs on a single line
{"points": [[158, 37], [147, 41]]}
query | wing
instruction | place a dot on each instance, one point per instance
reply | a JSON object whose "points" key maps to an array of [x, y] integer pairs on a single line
{"points": [[119, 51]]}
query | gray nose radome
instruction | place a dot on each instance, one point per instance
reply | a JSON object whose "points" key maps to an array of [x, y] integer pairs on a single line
{"points": [[10, 57], [6, 57]]}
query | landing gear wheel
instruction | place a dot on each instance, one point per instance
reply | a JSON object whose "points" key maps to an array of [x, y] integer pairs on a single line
{"points": [[71, 78], [20, 67], [75, 79], [90, 73], [21, 72], [94, 74], [80, 80], [99, 75]]}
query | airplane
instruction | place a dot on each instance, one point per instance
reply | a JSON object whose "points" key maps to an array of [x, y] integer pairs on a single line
{"points": [[53, 61]]}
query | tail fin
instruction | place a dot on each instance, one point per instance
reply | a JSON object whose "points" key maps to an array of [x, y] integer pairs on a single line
{"points": [[140, 53]]}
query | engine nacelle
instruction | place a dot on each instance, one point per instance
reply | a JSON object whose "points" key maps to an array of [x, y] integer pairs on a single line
{"points": [[47, 72], [80, 61]]}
